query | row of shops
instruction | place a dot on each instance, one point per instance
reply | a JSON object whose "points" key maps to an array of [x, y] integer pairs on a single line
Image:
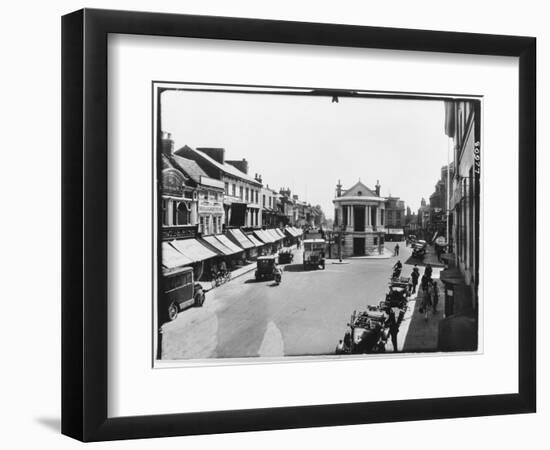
{"points": [[232, 249]]}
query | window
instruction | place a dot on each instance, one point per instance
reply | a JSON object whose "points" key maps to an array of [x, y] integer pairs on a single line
{"points": [[234, 190], [183, 215], [246, 194], [256, 196], [241, 192], [201, 224], [164, 208], [227, 188], [263, 201]]}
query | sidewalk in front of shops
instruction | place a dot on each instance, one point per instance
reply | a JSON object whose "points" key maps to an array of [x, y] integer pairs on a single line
{"points": [[418, 334]]}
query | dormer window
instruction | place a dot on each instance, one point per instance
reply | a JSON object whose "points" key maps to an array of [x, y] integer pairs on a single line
{"points": [[359, 192]]}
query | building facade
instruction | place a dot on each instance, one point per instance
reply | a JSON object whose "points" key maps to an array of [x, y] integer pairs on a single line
{"points": [[359, 214], [241, 201], [462, 124]]}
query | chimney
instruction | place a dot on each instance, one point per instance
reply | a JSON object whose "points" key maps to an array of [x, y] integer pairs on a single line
{"points": [[378, 188], [217, 154], [241, 165], [167, 143]]}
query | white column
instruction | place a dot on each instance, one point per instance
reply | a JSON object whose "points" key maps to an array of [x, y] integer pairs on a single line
{"points": [[368, 215], [352, 223], [349, 215], [366, 218]]}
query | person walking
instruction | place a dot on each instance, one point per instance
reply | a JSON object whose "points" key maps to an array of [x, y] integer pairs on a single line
{"points": [[396, 250], [428, 271], [393, 324], [434, 295], [415, 275]]}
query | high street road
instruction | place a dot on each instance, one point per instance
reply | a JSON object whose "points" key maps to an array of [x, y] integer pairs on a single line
{"points": [[305, 315]]}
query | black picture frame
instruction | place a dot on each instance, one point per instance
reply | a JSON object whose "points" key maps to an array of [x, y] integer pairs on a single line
{"points": [[84, 224]]}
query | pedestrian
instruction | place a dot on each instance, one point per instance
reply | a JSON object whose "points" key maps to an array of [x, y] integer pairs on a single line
{"points": [[396, 250], [414, 276], [393, 326], [428, 270], [434, 295]]}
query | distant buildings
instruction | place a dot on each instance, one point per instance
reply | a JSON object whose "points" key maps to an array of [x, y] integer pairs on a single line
{"points": [[359, 216], [395, 218]]}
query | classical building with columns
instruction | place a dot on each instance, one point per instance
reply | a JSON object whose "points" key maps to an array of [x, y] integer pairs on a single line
{"points": [[359, 215]]}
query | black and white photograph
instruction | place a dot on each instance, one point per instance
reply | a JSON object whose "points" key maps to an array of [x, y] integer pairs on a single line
{"points": [[298, 223]]}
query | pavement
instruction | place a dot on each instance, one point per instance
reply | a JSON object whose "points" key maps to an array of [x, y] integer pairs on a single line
{"points": [[307, 314]]}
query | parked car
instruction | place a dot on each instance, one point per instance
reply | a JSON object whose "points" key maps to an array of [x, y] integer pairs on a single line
{"points": [[180, 291]]}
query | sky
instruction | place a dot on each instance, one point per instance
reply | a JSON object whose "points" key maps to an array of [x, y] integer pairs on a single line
{"points": [[309, 143]]}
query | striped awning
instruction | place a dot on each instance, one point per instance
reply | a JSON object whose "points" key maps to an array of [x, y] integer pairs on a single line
{"points": [[241, 238], [225, 241], [273, 234], [217, 245], [171, 258], [193, 249], [255, 241], [263, 236]]}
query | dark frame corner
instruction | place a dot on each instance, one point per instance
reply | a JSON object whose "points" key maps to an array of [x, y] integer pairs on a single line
{"points": [[84, 224]]}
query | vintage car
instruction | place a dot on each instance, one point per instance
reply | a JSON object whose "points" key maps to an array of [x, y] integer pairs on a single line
{"points": [[285, 255], [419, 249], [314, 253], [367, 332], [180, 291], [398, 294], [264, 267]]}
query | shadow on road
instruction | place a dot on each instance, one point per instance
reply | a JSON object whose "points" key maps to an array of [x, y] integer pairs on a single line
{"points": [[294, 268]]}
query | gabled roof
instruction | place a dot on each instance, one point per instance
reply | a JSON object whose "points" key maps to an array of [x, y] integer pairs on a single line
{"points": [[190, 168], [359, 189], [226, 168]]}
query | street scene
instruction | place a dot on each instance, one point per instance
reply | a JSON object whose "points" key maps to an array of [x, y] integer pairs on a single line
{"points": [[328, 261], [305, 315]]}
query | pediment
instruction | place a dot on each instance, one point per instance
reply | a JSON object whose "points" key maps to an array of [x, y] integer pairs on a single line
{"points": [[359, 190]]}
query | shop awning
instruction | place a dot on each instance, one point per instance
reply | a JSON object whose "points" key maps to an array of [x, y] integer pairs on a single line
{"points": [[294, 232], [263, 236], [273, 234], [225, 241], [215, 243], [280, 233], [241, 238], [395, 231], [254, 240], [172, 258], [193, 249]]}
